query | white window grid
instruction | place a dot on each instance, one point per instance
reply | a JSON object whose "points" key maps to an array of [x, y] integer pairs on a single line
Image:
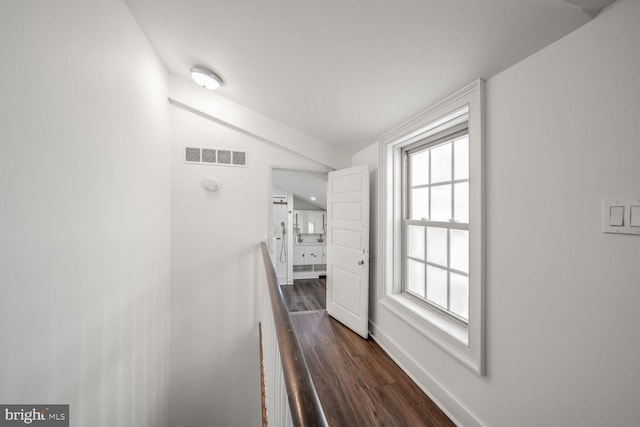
{"points": [[451, 136]]}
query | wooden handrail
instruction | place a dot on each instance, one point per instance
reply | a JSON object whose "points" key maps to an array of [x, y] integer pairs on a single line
{"points": [[306, 410]]}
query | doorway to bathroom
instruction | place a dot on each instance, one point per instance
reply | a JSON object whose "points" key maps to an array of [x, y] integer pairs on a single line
{"points": [[298, 240]]}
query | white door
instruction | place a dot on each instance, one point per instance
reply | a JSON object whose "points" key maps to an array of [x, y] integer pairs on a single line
{"points": [[348, 248]]}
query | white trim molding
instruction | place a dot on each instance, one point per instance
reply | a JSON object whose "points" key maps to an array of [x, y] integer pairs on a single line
{"points": [[464, 342]]}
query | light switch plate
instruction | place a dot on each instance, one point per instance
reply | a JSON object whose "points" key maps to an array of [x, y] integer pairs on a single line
{"points": [[621, 215]]}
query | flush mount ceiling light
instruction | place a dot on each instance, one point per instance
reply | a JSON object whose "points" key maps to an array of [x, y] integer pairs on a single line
{"points": [[205, 77], [312, 198]]}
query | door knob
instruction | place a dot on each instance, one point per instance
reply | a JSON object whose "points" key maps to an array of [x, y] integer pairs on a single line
{"points": [[360, 262]]}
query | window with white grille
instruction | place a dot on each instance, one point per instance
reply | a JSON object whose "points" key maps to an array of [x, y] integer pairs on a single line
{"points": [[436, 222], [431, 214]]}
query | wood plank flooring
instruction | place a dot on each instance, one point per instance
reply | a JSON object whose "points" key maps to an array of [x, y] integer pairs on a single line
{"points": [[357, 382], [305, 294]]}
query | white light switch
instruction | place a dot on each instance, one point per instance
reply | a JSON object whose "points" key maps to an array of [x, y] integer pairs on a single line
{"points": [[621, 215], [635, 216], [616, 216]]}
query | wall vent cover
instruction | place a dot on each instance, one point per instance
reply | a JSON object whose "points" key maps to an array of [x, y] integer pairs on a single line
{"points": [[239, 158], [215, 156], [224, 157], [208, 155], [192, 155]]}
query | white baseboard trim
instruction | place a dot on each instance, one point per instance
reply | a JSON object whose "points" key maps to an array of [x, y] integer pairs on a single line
{"points": [[441, 397]]}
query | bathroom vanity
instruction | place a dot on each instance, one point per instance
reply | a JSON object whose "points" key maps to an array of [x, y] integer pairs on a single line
{"points": [[309, 247]]}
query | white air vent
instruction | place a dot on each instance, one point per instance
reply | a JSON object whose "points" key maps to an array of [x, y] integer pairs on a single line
{"points": [[224, 157], [192, 155], [215, 156], [208, 155], [239, 158]]}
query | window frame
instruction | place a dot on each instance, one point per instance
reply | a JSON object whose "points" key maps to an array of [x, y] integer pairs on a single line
{"points": [[463, 342], [449, 135]]}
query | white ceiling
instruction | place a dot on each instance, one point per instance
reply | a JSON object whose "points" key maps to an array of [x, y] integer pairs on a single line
{"points": [[346, 71]]}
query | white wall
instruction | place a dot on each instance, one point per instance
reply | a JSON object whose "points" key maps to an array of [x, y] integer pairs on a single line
{"points": [[252, 123], [563, 131], [214, 240], [84, 213]]}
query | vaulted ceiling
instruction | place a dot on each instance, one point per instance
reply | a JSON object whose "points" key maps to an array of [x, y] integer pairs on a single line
{"points": [[303, 185], [346, 71]]}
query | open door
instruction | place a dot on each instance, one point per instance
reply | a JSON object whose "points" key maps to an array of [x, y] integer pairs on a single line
{"points": [[348, 248]]}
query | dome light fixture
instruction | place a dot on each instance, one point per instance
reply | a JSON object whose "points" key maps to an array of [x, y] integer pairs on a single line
{"points": [[205, 77]]}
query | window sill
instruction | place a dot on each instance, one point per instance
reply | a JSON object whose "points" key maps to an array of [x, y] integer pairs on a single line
{"points": [[419, 316], [446, 333]]}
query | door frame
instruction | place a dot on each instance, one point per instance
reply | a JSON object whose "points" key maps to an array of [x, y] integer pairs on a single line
{"points": [[270, 235]]}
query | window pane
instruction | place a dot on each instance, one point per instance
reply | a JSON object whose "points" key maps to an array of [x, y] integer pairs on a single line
{"points": [[419, 167], [461, 158], [419, 208], [460, 295], [459, 250], [441, 163], [415, 241], [441, 203], [437, 285], [461, 194], [415, 277], [437, 245]]}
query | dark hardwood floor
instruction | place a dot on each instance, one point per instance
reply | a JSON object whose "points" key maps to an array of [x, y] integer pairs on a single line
{"points": [[305, 294], [357, 382]]}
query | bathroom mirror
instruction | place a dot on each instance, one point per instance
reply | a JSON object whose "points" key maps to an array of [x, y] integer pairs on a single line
{"points": [[309, 222]]}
